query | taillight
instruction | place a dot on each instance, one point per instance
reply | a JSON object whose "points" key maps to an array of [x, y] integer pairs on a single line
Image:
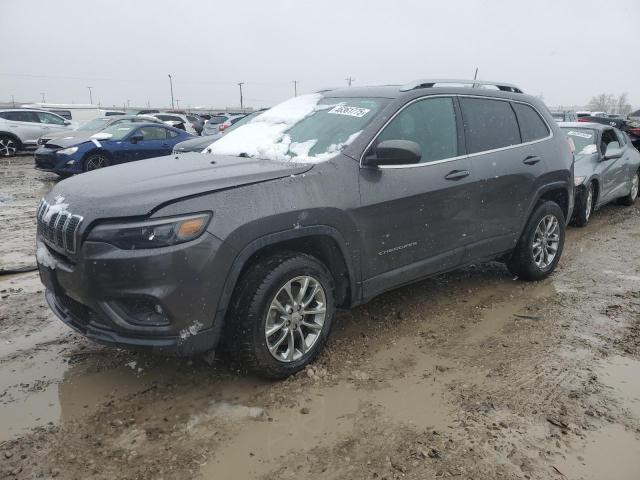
{"points": [[583, 119], [222, 127]]}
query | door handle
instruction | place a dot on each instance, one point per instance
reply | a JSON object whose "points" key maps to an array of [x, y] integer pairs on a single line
{"points": [[531, 160], [456, 175]]}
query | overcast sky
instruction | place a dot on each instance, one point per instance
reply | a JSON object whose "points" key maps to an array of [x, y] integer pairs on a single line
{"points": [[565, 50]]}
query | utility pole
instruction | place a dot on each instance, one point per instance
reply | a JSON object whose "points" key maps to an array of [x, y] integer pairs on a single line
{"points": [[128, 103], [475, 77], [90, 96], [171, 85], [13, 101], [43, 99], [349, 80], [178, 103], [241, 102], [295, 88]]}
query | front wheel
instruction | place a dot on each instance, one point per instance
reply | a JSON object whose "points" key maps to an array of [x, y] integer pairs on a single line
{"points": [[584, 206], [281, 314], [96, 161], [538, 251], [630, 199]]}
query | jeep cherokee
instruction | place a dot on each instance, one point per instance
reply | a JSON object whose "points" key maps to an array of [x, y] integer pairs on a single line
{"points": [[324, 201]]}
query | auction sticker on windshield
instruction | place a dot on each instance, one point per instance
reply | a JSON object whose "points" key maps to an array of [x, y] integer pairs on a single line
{"points": [[349, 111], [579, 134]]}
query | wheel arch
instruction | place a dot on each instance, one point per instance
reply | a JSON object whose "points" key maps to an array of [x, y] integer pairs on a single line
{"points": [[321, 241], [13, 136], [88, 153]]}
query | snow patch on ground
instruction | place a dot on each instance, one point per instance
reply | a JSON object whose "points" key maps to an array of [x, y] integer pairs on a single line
{"points": [[44, 257], [225, 411], [190, 330]]}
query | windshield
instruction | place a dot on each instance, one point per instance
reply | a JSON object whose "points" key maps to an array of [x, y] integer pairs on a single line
{"points": [[94, 125], [216, 120], [309, 128], [118, 132], [583, 138]]}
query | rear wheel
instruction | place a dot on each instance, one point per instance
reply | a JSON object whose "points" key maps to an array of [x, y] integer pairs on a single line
{"points": [[630, 199], [281, 314], [584, 206], [95, 161], [8, 146], [539, 249]]}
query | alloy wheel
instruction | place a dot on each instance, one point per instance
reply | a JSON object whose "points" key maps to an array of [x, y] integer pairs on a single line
{"points": [[8, 147], [295, 318], [546, 240], [95, 162], [589, 205]]}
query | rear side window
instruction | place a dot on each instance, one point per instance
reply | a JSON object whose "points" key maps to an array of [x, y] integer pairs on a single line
{"points": [[532, 127], [431, 123], [488, 124], [622, 137], [21, 117]]}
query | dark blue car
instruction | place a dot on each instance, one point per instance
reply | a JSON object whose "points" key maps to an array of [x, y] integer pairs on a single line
{"points": [[118, 144]]}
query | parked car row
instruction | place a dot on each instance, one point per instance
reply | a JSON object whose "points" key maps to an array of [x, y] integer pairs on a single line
{"points": [[324, 201]]}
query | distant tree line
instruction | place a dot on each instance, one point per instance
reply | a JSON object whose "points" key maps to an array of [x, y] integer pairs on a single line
{"points": [[608, 102]]}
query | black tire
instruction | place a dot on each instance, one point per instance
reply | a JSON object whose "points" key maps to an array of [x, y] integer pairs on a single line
{"points": [[246, 321], [95, 160], [584, 206], [522, 262], [630, 199], [9, 146]]}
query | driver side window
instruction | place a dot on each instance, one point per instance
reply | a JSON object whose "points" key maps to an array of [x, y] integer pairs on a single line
{"points": [[50, 119], [153, 133], [431, 123], [609, 140]]}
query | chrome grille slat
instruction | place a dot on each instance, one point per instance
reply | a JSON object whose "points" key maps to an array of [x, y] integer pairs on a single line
{"points": [[60, 230]]}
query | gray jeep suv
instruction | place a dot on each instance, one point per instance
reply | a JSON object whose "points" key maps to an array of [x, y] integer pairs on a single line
{"points": [[324, 201]]}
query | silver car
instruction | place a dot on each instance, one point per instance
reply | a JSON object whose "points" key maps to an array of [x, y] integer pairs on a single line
{"points": [[607, 167], [21, 127]]}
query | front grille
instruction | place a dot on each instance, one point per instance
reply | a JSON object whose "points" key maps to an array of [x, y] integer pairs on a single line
{"points": [[59, 228]]}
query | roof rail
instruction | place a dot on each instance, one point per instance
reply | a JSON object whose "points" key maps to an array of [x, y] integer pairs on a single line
{"points": [[430, 83]]}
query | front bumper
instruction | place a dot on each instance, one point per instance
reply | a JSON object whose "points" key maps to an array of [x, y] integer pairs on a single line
{"points": [[48, 160], [101, 292]]}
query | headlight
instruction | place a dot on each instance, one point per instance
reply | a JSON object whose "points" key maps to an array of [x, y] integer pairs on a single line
{"points": [[157, 233], [68, 151], [578, 180]]}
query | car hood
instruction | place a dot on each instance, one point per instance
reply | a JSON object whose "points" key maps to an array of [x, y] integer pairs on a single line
{"points": [[69, 139], [197, 144], [137, 188]]}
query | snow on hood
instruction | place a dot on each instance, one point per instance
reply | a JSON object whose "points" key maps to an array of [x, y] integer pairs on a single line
{"points": [[265, 137]]}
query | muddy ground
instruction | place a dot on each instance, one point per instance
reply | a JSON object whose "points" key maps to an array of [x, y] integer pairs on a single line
{"points": [[470, 375]]}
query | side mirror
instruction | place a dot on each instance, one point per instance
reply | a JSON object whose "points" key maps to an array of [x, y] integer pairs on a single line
{"points": [[67, 123], [136, 138], [612, 152], [394, 152]]}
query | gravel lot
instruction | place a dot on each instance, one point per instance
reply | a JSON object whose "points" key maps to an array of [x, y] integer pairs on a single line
{"points": [[471, 375]]}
